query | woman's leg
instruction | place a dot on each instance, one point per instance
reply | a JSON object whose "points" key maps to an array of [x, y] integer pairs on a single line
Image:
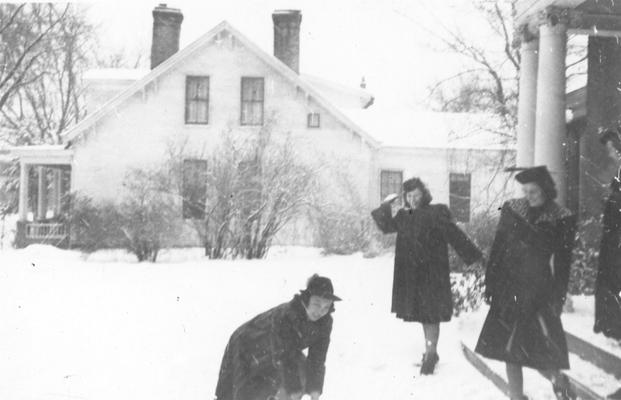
{"points": [[515, 380], [430, 359], [432, 335]]}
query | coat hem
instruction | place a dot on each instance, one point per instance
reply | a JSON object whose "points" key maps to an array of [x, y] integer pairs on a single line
{"points": [[506, 359]]}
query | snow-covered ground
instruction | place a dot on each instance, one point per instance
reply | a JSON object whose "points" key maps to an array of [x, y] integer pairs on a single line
{"points": [[106, 327]]}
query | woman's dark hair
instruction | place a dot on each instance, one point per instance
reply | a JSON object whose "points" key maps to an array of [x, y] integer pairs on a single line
{"points": [[540, 176], [413, 184], [548, 189]]}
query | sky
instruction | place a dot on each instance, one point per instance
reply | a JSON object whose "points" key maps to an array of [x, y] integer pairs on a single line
{"points": [[386, 41]]}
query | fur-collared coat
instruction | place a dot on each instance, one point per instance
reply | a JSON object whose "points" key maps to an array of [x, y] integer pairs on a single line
{"points": [[265, 355], [527, 276], [421, 288]]}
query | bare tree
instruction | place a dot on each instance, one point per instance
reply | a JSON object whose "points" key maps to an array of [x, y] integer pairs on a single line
{"points": [[43, 50], [488, 82], [249, 188]]}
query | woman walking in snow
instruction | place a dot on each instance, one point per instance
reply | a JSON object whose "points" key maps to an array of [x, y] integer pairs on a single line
{"points": [[263, 359], [526, 283], [421, 284]]}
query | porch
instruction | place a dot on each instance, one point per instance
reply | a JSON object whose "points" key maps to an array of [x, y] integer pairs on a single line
{"points": [[44, 195]]}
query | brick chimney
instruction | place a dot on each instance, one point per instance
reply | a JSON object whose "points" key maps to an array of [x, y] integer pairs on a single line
{"points": [[287, 37], [166, 31]]}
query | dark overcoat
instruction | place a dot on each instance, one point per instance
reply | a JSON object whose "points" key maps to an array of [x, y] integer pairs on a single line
{"points": [[527, 276], [265, 354], [421, 288], [608, 281]]}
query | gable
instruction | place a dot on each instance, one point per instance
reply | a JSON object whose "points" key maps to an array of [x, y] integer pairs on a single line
{"points": [[222, 37]]}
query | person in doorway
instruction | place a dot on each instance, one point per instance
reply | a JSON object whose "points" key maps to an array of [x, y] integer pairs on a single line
{"points": [[608, 281], [526, 283], [421, 289], [264, 360]]}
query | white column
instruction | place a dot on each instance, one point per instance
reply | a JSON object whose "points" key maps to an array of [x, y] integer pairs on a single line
{"points": [[42, 187], [57, 194], [23, 191], [527, 102], [550, 134]]}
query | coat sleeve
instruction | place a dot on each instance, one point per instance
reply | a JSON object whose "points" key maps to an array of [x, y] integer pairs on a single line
{"points": [[316, 361], [562, 257], [495, 255], [462, 244], [290, 354], [383, 218]]}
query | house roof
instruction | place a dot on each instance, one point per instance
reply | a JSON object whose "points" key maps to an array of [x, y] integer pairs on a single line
{"points": [[406, 128], [79, 129]]}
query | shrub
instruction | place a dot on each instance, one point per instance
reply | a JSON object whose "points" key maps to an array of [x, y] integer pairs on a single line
{"points": [[585, 256], [94, 226], [342, 231], [468, 283], [467, 290], [143, 223]]}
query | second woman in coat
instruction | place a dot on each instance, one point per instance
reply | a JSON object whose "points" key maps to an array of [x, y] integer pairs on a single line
{"points": [[526, 283], [421, 289]]}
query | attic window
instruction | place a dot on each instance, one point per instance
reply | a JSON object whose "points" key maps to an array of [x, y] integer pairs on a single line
{"points": [[252, 97], [197, 100], [314, 120]]}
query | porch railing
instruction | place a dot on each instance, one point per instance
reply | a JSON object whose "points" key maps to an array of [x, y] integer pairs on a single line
{"points": [[46, 230]]}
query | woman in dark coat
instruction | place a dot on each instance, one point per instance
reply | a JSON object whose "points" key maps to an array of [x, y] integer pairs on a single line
{"points": [[263, 359], [608, 282], [421, 289], [526, 283]]}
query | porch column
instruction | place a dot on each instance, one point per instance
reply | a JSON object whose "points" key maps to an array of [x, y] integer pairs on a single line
{"points": [[23, 191], [57, 194], [550, 134], [527, 101], [41, 195]]}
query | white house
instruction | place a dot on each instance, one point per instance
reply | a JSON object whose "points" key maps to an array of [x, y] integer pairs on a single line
{"points": [[224, 81]]}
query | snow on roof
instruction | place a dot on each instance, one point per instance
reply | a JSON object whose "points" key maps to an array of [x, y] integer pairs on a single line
{"points": [[120, 74], [338, 94], [401, 127]]}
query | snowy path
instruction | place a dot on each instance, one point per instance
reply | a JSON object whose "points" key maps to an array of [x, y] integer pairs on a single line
{"points": [[96, 329]]}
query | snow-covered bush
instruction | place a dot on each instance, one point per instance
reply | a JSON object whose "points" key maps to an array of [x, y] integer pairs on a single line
{"points": [[481, 230], [143, 223], [342, 223], [468, 283], [94, 226], [467, 290], [585, 256], [342, 231], [149, 218]]}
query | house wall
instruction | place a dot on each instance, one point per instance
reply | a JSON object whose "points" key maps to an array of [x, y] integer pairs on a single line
{"points": [[490, 185], [139, 133]]}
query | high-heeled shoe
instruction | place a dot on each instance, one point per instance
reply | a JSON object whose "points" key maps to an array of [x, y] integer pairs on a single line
{"points": [[429, 363]]}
